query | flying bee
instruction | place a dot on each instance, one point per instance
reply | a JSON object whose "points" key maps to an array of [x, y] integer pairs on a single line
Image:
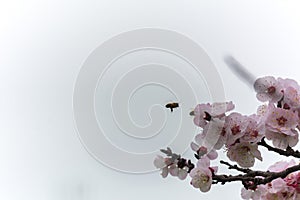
{"points": [[172, 106]]}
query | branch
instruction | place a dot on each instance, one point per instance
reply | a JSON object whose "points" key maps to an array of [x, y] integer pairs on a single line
{"points": [[244, 170], [288, 152], [251, 179]]}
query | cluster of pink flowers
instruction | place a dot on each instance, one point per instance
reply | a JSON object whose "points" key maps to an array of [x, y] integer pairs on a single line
{"points": [[280, 189], [277, 120], [173, 165]]}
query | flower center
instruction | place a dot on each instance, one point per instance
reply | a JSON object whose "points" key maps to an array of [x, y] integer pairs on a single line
{"points": [[281, 121], [204, 178], [254, 133], [271, 90], [235, 130]]}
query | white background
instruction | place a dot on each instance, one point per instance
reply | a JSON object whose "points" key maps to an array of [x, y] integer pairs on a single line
{"points": [[43, 44]]}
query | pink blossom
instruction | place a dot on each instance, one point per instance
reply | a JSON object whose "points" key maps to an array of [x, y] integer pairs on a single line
{"points": [[291, 97], [287, 82], [293, 180], [268, 89], [181, 173], [162, 163], [282, 141], [244, 154], [281, 120], [257, 194], [213, 135], [216, 110], [236, 125], [202, 175], [255, 130], [169, 167], [278, 189]]}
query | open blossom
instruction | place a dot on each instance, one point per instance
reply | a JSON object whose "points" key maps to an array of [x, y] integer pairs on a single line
{"points": [[282, 141], [236, 125], [291, 97], [244, 154], [163, 164], [179, 168], [216, 110], [281, 120], [202, 175], [256, 194], [268, 89], [278, 189], [255, 130], [293, 180], [213, 135], [280, 127], [181, 173]]}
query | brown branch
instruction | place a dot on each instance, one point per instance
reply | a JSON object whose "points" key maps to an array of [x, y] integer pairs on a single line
{"points": [[252, 179], [244, 170], [247, 171], [288, 152]]}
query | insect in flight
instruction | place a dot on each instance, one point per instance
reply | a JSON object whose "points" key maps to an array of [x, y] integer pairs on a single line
{"points": [[172, 106]]}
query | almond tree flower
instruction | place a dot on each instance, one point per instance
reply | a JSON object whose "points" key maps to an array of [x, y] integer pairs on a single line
{"points": [[236, 126], [163, 164], [282, 141], [244, 154], [202, 175], [293, 180], [181, 173], [285, 83], [291, 98], [257, 194], [281, 120], [179, 168], [203, 112], [278, 189], [213, 135], [268, 89], [277, 185], [255, 131]]}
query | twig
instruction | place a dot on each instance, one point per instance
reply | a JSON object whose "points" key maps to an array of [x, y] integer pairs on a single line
{"points": [[244, 170], [288, 152]]}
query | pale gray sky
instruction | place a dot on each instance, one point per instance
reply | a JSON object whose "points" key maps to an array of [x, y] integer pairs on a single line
{"points": [[43, 45]]}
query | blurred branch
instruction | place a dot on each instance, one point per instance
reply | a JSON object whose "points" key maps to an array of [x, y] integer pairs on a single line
{"points": [[240, 70]]}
